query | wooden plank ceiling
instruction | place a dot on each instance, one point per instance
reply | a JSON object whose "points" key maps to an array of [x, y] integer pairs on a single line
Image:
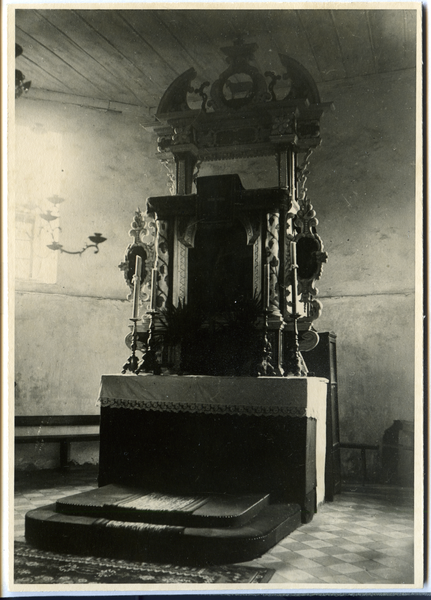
{"points": [[131, 56]]}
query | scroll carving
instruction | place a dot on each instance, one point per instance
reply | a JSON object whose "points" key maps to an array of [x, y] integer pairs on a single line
{"points": [[301, 84], [283, 124], [169, 164], [251, 225], [187, 231], [201, 92], [143, 230], [175, 97], [182, 135], [197, 169], [310, 253]]}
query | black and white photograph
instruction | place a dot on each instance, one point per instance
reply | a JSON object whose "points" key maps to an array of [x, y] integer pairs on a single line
{"points": [[213, 365]]}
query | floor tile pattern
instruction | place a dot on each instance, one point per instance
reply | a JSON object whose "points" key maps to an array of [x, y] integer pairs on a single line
{"points": [[364, 537]]}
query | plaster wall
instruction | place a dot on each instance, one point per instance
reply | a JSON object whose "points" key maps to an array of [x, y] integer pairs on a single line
{"points": [[375, 371], [361, 183], [70, 332]]}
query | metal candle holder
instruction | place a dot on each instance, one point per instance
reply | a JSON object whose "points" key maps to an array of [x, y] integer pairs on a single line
{"points": [[149, 363], [294, 350], [295, 354], [265, 367], [132, 362]]}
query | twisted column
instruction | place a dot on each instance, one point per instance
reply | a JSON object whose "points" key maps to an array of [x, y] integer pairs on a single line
{"points": [[162, 264], [273, 258]]}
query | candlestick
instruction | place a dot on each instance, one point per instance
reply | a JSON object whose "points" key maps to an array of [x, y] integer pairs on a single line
{"points": [[149, 362], [136, 287], [264, 366], [153, 289], [295, 359], [132, 362]]}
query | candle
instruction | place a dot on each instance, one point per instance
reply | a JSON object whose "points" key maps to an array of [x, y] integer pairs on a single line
{"points": [[267, 285], [294, 279], [153, 289], [136, 287], [293, 255]]}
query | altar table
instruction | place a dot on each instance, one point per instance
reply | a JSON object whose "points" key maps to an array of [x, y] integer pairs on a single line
{"points": [[192, 434]]}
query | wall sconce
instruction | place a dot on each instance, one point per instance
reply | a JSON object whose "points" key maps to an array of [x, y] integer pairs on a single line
{"points": [[21, 86], [96, 238]]}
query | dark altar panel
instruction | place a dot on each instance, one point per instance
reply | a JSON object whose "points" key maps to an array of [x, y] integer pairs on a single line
{"points": [[322, 361], [220, 268], [189, 453]]}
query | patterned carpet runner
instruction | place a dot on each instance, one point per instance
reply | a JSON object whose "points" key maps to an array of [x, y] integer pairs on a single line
{"points": [[34, 566]]}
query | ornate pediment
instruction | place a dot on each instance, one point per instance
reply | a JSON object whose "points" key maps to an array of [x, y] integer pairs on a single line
{"points": [[243, 112]]}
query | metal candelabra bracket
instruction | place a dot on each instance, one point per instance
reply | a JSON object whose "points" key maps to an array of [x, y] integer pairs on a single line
{"points": [[97, 239], [149, 362]]}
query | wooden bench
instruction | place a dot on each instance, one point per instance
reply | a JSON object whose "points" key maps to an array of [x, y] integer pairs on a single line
{"points": [[362, 448], [64, 439]]}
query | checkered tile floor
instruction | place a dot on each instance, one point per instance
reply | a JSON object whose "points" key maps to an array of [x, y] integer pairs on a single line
{"points": [[364, 537], [357, 539]]}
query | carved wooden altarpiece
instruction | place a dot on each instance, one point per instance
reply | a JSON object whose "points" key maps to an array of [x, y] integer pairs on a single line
{"points": [[241, 115]]}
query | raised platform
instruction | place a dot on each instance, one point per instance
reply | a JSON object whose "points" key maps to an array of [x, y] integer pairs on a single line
{"points": [[131, 504], [121, 522]]}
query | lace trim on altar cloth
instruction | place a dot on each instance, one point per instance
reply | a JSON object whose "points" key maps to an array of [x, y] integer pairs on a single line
{"points": [[206, 408]]}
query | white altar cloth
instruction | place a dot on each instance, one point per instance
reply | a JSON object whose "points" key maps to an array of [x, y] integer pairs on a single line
{"points": [[285, 396]]}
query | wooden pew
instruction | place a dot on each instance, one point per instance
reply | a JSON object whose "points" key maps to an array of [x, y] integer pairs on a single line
{"points": [[63, 439]]}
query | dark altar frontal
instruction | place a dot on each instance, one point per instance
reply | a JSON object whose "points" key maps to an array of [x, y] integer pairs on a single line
{"points": [[199, 470], [212, 443]]}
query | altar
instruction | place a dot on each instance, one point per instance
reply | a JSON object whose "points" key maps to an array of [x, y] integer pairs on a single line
{"points": [[196, 469], [213, 437], [216, 434]]}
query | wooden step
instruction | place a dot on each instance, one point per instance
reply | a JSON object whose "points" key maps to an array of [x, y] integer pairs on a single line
{"points": [[122, 503], [78, 534]]}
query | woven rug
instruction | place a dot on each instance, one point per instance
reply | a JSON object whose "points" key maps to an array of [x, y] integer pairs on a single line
{"points": [[39, 566]]}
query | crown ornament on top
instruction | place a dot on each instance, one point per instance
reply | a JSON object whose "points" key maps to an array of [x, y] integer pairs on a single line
{"points": [[240, 84]]}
